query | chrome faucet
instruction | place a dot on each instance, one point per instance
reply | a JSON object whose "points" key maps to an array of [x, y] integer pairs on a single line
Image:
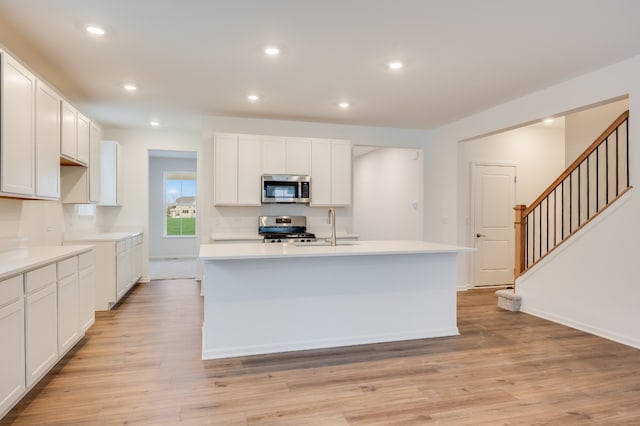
{"points": [[331, 218]]}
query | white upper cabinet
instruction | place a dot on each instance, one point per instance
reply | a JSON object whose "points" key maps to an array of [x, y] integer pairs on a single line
{"points": [[68, 131], [282, 155], [95, 138], [110, 181], [341, 159], [321, 172], [330, 172], [274, 155], [47, 142], [74, 136], [17, 138], [298, 156], [237, 170], [83, 140], [225, 179], [78, 184], [249, 162]]}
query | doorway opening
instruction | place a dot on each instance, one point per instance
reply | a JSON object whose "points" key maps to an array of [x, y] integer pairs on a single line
{"points": [[387, 193], [173, 215]]}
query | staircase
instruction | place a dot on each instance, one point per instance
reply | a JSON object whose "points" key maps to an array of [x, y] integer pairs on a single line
{"points": [[593, 182]]}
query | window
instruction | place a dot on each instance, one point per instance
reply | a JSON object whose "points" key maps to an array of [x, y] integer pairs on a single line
{"points": [[180, 204]]}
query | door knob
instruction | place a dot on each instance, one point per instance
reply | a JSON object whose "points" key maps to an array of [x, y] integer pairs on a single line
{"points": [[480, 235]]}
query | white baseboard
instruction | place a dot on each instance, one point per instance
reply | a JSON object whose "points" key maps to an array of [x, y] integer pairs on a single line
{"points": [[326, 343], [578, 325]]}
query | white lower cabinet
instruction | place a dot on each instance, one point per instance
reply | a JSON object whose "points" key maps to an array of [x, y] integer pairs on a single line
{"points": [[41, 322], [44, 312], [68, 330], [123, 268], [117, 267], [86, 304], [12, 361]]}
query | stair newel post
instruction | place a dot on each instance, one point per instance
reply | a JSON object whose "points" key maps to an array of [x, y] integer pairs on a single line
{"points": [[520, 239]]}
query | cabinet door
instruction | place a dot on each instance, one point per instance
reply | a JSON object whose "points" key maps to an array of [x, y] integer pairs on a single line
{"points": [[109, 173], [274, 155], [67, 312], [95, 136], [68, 133], [84, 139], [41, 324], [321, 172], [249, 170], [298, 156], [225, 180], [86, 311], [341, 173], [12, 361], [47, 142], [17, 140], [123, 268], [137, 267]]}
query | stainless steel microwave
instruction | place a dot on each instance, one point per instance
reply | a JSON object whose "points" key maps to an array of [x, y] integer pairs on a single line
{"points": [[286, 189]]}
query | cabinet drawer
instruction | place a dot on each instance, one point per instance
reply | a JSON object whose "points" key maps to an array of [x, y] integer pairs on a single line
{"points": [[85, 260], [11, 290], [67, 267], [137, 240], [39, 278]]}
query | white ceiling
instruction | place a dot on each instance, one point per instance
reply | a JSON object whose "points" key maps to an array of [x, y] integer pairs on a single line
{"points": [[202, 57]]}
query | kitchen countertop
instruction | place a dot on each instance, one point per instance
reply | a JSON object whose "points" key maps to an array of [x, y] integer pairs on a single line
{"points": [[27, 258], [351, 248], [102, 236]]}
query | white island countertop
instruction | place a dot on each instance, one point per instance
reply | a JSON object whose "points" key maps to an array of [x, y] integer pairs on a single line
{"points": [[346, 248], [27, 258]]}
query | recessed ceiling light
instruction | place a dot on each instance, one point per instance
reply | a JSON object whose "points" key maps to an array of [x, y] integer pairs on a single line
{"points": [[272, 51], [253, 98], [344, 105], [395, 65], [154, 123], [548, 120], [95, 30], [130, 87]]}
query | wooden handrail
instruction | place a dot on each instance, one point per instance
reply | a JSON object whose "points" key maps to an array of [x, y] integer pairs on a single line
{"points": [[624, 116]]}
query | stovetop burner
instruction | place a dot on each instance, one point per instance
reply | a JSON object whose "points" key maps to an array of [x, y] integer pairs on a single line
{"points": [[284, 229]]}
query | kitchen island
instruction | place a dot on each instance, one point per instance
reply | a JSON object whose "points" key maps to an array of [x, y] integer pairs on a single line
{"points": [[265, 298]]}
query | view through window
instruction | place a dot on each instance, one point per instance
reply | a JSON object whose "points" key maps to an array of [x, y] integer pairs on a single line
{"points": [[180, 204]]}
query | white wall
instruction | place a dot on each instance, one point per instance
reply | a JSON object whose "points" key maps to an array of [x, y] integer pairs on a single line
{"points": [[583, 127], [135, 146], [39, 222], [386, 183], [159, 245], [244, 219], [583, 274], [536, 151]]}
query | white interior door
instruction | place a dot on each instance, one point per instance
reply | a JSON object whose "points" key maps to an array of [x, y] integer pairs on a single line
{"points": [[493, 200]]}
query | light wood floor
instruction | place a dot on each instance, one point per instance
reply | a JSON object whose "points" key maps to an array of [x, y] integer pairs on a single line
{"points": [[140, 364]]}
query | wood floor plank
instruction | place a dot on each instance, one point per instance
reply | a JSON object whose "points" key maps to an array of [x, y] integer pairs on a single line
{"points": [[140, 365]]}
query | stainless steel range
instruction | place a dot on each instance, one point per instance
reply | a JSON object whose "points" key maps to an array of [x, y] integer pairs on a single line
{"points": [[284, 229]]}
